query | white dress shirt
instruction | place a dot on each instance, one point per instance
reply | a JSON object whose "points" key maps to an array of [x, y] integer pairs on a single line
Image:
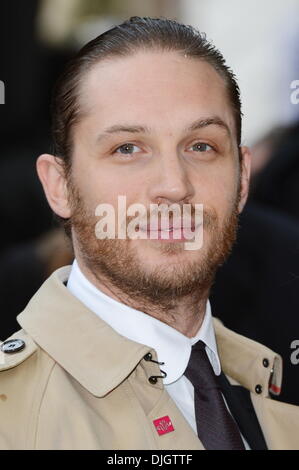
{"points": [[172, 347]]}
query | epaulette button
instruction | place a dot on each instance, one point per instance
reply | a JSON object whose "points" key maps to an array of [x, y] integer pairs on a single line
{"points": [[12, 346]]}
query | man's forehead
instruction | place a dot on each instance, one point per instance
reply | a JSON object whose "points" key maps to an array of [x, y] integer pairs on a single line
{"points": [[147, 74], [148, 87]]}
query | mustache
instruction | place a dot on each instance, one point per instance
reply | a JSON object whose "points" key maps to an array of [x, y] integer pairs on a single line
{"points": [[209, 219]]}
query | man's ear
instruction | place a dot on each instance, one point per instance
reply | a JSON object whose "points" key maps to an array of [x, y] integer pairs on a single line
{"points": [[52, 177], [245, 176]]}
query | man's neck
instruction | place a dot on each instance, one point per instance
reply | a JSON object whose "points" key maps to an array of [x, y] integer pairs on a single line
{"points": [[185, 314]]}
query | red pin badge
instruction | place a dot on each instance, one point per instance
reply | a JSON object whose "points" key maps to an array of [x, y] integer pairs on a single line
{"points": [[163, 425]]}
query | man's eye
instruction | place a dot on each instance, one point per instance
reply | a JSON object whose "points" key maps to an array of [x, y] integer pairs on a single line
{"points": [[201, 147], [127, 149]]}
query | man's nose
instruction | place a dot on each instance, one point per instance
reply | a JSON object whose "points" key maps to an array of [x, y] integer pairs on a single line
{"points": [[171, 180]]}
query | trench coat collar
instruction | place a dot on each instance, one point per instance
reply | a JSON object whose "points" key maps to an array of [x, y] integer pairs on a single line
{"points": [[77, 339], [100, 359]]}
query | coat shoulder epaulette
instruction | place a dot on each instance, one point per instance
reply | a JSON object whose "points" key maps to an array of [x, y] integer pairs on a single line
{"points": [[16, 349]]}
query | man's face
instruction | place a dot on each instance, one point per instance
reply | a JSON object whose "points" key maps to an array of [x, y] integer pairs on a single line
{"points": [[155, 102]]}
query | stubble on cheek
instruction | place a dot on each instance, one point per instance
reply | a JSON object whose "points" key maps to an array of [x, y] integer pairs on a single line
{"points": [[122, 264]]}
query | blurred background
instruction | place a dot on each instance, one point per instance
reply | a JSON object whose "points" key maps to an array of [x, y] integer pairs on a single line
{"points": [[256, 292]]}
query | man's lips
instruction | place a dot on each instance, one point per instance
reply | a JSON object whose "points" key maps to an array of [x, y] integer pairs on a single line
{"points": [[169, 228], [171, 233]]}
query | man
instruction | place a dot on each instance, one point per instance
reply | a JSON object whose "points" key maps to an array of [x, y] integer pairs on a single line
{"points": [[147, 111]]}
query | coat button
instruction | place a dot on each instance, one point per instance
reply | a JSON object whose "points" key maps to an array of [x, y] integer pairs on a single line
{"points": [[266, 362], [153, 380], [258, 388], [148, 357], [12, 346]]}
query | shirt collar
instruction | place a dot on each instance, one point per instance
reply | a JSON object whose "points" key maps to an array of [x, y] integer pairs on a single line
{"points": [[172, 347]]}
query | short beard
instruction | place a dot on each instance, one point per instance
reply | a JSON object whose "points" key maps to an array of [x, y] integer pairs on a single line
{"points": [[114, 262]]}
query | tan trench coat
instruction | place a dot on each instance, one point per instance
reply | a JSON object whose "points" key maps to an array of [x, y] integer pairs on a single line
{"points": [[78, 384]]}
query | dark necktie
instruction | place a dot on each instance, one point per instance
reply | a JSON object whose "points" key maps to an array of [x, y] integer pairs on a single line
{"points": [[216, 428]]}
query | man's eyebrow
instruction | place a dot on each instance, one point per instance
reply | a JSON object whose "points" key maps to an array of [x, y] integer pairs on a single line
{"points": [[117, 128], [216, 121], [135, 129]]}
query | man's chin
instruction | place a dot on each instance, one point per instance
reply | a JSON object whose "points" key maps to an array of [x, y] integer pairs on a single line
{"points": [[163, 254], [171, 266], [162, 245]]}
